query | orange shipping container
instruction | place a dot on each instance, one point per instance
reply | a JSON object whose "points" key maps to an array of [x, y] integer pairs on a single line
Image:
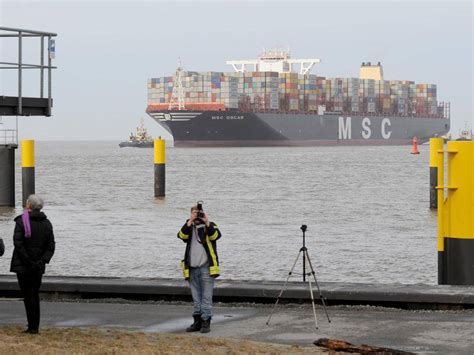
{"points": [[189, 106]]}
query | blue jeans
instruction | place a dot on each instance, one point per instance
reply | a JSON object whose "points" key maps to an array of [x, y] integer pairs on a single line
{"points": [[202, 285]]}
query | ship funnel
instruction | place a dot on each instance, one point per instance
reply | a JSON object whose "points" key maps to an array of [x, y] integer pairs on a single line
{"points": [[372, 72]]}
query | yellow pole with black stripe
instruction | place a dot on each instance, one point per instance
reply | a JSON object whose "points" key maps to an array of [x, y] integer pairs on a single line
{"points": [[459, 214], [27, 168], [436, 144], [160, 163]]}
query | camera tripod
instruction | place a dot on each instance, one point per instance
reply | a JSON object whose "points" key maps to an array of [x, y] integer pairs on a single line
{"points": [[303, 251]]}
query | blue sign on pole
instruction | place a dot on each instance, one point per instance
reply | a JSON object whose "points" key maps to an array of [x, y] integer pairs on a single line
{"points": [[52, 49]]}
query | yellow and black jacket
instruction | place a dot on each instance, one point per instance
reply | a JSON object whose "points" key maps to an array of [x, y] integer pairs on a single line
{"points": [[210, 246]]}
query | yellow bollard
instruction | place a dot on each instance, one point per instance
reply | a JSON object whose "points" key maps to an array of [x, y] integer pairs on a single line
{"points": [[27, 168], [436, 144], [456, 216], [160, 163]]}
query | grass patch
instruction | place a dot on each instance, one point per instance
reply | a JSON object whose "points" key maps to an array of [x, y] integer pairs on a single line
{"points": [[104, 341]]}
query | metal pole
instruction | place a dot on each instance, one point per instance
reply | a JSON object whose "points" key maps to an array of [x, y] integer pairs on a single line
{"points": [[312, 302], [160, 164], [7, 175], [304, 256], [436, 144], [49, 76], [319, 289], [29, 33], [42, 69], [20, 101], [27, 168]]}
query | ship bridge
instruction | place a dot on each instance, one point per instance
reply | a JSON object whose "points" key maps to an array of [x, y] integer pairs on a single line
{"points": [[275, 61]]}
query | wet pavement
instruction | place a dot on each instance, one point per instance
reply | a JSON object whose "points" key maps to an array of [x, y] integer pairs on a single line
{"points": [[420, 331]]}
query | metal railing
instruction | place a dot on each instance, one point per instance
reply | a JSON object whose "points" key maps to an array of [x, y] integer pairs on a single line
{"points": [[7, 32], [8, 136]]}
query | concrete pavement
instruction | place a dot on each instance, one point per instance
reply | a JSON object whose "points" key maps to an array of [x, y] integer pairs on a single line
{"points": [[419, 331], [415, 318]]}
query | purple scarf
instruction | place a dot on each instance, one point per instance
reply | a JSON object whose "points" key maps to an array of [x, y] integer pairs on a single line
{"points": [[25, 217]]}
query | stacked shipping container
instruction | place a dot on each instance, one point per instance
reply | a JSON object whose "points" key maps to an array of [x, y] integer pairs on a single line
{"points": [[425, 101], [293, 92]]}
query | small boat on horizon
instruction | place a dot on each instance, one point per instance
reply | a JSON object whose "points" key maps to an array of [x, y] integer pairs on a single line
{"points": [[140, 139], [465, 134]]}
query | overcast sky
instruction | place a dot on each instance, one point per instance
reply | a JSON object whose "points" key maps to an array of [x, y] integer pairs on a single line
{"points": [[106, 51]]}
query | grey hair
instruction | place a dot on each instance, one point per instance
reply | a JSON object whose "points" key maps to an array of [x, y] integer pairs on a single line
{"points": [[35, 202]]}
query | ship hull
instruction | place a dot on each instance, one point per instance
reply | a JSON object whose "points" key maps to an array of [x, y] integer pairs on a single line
{"points": [[136, 144], [238, 129]]}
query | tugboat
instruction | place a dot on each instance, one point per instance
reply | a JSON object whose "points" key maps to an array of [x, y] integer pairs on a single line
{"points": [[140, 139], [465, 134]]}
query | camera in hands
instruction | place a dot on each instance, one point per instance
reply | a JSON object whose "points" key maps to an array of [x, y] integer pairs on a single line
{"points": [[200, 213]]}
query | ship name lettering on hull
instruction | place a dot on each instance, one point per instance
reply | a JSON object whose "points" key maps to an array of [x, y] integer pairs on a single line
{"points": [[385, 123], [345, 128], [227, 117]]}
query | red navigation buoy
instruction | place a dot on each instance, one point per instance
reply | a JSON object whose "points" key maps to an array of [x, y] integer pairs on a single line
{"points": [[414, 147]]}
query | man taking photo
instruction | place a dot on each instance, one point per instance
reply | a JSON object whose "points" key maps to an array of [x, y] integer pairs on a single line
{"points": [[200, 265]]}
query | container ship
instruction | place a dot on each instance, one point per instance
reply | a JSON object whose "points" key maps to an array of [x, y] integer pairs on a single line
{"points": [[266, 102]]}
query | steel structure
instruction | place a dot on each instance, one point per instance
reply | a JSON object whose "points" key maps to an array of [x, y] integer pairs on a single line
{"points": [[29, 106], [177, 97], [274, 60]]}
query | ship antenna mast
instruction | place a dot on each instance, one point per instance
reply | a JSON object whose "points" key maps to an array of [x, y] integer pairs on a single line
{"points": [[177, 98]]}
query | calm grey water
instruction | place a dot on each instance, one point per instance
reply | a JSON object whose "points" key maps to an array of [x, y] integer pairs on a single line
{"points": [[366, 209]]}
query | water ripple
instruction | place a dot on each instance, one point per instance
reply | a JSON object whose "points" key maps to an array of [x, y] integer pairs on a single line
{"points": [[366, 209]]}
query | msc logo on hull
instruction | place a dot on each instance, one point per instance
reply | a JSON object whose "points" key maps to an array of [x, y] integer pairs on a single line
{"points": [[345, 128]]}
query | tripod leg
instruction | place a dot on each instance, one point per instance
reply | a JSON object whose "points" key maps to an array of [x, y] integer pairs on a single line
{"points": [[317, 285], [312, 302], [283, 289]]}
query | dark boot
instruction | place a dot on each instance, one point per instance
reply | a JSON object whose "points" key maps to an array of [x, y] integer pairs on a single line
{"points": [[205, 325], [196, 326], [31, 331]]}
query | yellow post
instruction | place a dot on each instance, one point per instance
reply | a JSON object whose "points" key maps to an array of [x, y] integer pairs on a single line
{"points": [[436, 144], [160, 163], [457, 215], [28, 153], [27, 168]]}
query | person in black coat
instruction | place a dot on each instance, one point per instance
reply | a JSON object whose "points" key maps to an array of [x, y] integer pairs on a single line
{"points": [[34, 244]]}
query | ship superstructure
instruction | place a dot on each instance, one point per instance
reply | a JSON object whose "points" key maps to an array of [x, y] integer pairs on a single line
{"points": [[274, 61]]}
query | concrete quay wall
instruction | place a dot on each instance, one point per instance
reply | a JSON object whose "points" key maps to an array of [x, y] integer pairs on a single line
{"points": [[335, 293]]}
